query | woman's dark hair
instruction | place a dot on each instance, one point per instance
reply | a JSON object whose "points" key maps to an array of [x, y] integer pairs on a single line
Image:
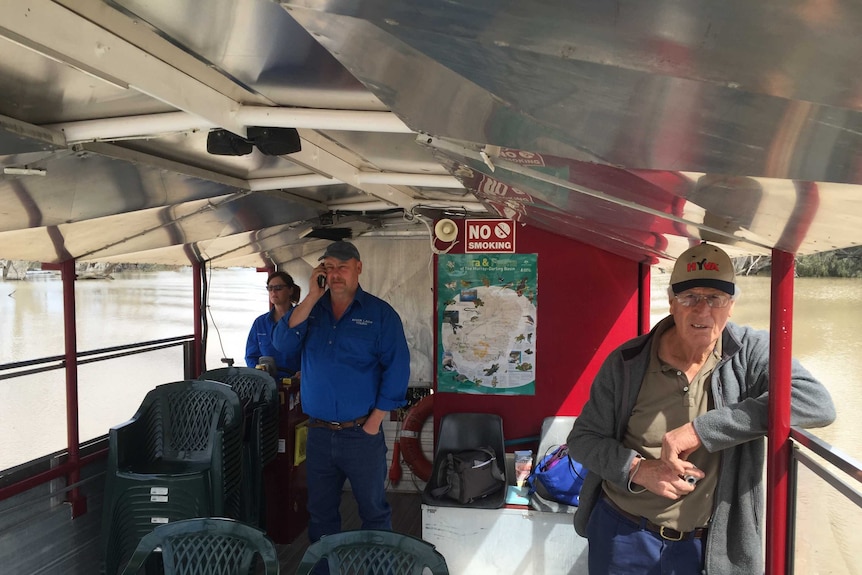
{"points": [[288, 281]]}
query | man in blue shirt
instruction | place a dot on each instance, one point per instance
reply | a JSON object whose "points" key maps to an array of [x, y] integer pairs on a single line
{"points": [[355, 369]]}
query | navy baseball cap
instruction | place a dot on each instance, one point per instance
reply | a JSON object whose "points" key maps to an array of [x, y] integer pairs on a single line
{"points": [[341, 250]]}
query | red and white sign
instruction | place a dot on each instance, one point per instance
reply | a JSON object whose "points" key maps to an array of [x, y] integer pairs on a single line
{"points": [[494, 236]]}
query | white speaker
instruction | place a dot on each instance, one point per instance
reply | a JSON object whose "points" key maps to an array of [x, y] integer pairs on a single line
{"points": [[446, 230]]}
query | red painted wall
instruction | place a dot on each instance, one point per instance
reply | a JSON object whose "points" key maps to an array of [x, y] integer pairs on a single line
{"points": [[587, 306]]}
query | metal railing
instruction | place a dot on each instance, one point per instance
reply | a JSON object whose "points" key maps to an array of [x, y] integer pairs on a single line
{"points": [[17, 369], [848, 466], [29, 475]]}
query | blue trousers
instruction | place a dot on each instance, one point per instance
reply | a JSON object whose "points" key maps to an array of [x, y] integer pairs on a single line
{"points": [[618, 546], [349, 454]]}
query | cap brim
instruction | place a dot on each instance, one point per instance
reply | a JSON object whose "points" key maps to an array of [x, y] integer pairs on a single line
{"points": [[339, 258], [727, 287]]}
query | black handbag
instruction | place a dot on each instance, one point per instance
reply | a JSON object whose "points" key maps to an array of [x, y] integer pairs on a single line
{"points": [[469, 475]]}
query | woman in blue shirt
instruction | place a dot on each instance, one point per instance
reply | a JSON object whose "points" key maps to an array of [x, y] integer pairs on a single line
{"points": [[283, 294]]}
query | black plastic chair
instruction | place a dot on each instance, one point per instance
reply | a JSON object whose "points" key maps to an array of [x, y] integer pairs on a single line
{"points": [[461, 431], [206, 546], [373, 552], [180, 456], [555, 431], [258, 392]]}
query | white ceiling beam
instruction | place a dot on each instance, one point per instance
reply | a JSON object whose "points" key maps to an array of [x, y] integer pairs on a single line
{"points": [[291, 182], [60, 34], [414, 180], [150, 125], [349, 120], [126, 127], [324, 163]]}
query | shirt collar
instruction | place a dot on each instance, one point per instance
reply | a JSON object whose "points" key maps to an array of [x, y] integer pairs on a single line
{"points": [[360, 297]]}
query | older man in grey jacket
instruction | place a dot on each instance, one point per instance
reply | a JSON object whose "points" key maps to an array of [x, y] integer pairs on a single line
{"points": [[673, 435]]}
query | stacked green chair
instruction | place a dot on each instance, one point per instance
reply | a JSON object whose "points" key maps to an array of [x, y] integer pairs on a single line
{"points": [[180, 456], [206, 546], [373, 552], [258, 392]]}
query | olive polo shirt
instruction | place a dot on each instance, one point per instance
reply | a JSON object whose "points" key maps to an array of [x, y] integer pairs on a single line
{"points": [[667, 400]]}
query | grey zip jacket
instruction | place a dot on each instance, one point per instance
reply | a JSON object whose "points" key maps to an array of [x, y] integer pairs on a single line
{"points": [[736, 427]]}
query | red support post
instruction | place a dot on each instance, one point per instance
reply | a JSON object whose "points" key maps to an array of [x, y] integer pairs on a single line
{"points": [[78, 501], [778, 443]]}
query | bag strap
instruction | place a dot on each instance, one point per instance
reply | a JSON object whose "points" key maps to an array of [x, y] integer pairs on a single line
{"points": [[495, 469], [492, 461]]}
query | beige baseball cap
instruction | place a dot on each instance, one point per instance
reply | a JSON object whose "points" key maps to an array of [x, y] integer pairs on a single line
{"points": [[703, 265]]}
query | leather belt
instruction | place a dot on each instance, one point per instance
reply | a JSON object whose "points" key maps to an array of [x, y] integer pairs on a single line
{"points": [[663, 532], [338, 425]]}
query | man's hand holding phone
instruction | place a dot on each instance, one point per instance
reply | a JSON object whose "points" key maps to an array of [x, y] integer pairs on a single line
{"points": [[321, 279]]}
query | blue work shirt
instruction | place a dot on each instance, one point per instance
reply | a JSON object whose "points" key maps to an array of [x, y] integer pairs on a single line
{"points": [[352, 365], [259, 344]]}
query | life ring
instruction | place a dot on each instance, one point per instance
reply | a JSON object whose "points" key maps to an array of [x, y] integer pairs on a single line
{"points": [[411, 448]]}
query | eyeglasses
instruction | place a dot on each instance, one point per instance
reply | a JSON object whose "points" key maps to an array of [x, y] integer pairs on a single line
{"points": [[712, 300], [276, 287]]}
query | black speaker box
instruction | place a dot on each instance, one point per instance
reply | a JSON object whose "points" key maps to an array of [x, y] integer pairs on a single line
{"points": [[224, 143], [275, 141]]}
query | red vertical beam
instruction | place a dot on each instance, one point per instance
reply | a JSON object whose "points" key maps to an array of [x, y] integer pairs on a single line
{"points": [[78, 501], [198, 318], [644, 298], [778, 450]]}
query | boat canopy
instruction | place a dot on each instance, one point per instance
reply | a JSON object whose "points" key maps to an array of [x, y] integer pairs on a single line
{"points": [[250, 132]]}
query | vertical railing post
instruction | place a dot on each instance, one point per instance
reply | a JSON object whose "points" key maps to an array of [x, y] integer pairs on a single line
{"points": [[198, 319], [189, 366], [778, 443], [73, 440], [644, 298]]}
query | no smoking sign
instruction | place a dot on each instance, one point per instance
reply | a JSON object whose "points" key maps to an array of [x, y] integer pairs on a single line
{"points": [[496, 236]]}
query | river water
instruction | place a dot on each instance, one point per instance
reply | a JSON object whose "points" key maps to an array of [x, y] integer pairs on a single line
{"points": [[142, 306], [132, 308]]}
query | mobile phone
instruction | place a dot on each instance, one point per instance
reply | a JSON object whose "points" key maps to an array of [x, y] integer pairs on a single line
{"points": [[321, 281]]}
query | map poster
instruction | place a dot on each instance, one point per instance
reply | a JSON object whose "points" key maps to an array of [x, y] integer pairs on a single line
{"points": [[486, 306]]}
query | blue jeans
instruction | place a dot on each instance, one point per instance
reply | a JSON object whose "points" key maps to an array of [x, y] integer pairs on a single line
{"points": [[617, 546], [349, 454]]}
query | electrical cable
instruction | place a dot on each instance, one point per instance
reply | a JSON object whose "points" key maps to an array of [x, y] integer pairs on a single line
{"points": [[224, 358], [412, 215]]}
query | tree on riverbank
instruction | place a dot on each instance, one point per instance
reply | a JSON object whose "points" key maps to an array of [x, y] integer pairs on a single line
{"points": [[842, 263], [17, 269]]}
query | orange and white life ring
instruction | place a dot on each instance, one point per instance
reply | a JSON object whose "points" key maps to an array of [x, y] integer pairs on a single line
{"points": [[411, 448]]}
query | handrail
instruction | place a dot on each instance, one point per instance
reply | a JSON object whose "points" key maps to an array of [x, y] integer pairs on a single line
{"points": [[72, 466], [104, 353], [836, 457], [840, 460], [53, 473]]}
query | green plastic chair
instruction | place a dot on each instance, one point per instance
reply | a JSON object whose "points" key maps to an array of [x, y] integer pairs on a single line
{"points": [[258, 392], [373, 552], [180, 456], [207, 546]]}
